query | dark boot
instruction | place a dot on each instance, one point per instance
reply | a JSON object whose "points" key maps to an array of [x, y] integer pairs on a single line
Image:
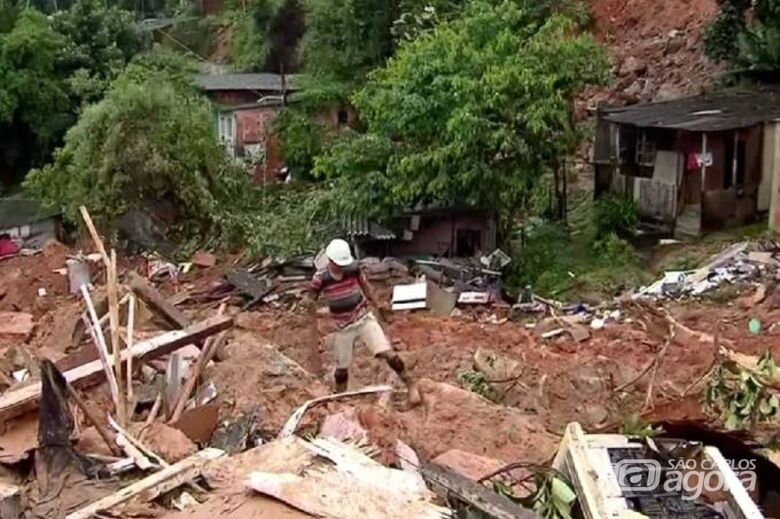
{"points": [[341, 376]]}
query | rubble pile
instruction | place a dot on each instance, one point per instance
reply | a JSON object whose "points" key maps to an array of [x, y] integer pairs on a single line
{"points": [[221, 372]]}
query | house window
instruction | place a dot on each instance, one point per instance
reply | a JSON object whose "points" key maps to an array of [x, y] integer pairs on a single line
{"points": [[645, 150]]}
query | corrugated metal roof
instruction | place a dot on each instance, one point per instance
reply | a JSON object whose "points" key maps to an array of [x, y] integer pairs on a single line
{"points": [[240, 81], [360, 227], [727, 110], [15, 212]]}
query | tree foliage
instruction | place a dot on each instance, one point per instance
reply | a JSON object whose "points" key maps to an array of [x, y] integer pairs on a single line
{"points": [[148, 140], [49, 67], [99, 41], [345, 39], [470, 113], [746, 34], [301, 139], [34, 105]]}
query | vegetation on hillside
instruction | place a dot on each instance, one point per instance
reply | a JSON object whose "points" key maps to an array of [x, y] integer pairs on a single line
{"points": [[49, 68], [746, 35]]}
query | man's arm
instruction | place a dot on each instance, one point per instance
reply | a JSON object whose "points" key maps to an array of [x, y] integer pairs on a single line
{"points": [[368, 291]]}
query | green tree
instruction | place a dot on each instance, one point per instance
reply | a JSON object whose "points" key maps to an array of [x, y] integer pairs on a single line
{"points": [[748, 42], [100, 40], [345, 39], [148, 140], [301, 139], [471, 113], [34, 105], [251, 25]]}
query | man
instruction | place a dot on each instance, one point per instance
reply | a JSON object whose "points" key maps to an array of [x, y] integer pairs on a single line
{"points": [[347, 293]]}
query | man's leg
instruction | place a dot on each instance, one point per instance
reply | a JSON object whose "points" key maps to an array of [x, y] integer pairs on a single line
{"points": [[376, 340], [343, 344]]}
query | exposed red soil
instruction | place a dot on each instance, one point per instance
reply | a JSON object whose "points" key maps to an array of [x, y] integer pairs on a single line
{"points": [[655, 47], [273, 367]]}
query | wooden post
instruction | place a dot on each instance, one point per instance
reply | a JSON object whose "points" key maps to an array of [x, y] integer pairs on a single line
{"points": [[116, 345], [100, 343], [130, 326], [95, 236]]}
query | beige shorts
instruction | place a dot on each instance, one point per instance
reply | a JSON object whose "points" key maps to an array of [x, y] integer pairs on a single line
{"points": [[368, 330]]}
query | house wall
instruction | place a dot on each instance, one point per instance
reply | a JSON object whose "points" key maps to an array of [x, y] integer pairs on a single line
{"points": [[36, 234], [770, 167], [735, 205], [253, 127], [721, 203], [436, 233], [235, 97]]}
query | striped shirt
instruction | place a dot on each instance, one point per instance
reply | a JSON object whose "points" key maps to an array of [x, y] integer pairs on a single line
{"points": [[344, 296]]}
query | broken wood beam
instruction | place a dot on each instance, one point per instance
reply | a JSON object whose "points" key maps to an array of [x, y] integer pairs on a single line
{"points": [[17, 401], [157, 301], [160, 304], [213, 344], [96, 331], [95, 236], [450, 485], [154, 485], [116, 346]]}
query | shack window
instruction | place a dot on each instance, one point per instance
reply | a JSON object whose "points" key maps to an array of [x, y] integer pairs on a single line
{"points": [[645, 150]]}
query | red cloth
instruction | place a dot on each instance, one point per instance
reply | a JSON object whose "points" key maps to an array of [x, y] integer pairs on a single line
{"points": [[8, 247], [693, 164]]}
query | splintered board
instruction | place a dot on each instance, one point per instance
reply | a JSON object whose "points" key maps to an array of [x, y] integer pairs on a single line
{"points": [[16, 401]]}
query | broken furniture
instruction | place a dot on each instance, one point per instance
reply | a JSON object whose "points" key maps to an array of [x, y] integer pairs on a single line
{"points": [[591, 461]]}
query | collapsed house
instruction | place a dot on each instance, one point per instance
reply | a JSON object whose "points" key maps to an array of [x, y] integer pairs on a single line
{"points": [[432, 231], [693, 165], [28, 223]]}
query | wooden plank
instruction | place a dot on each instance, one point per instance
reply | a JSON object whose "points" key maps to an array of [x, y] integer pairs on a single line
{"points": [[15, 402], [736, 494], [93, 325], [157, 301], [481, 498], [155, 485], [95, 236], [116, 346]]}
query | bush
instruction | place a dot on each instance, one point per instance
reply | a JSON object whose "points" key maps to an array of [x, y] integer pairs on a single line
{"points": [[281, 220], [615, 251], [300, 141], [544, 261], [149, 140], [615, 214]]}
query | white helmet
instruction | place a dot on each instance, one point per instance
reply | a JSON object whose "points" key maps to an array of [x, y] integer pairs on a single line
{"points": [[338, 252]]}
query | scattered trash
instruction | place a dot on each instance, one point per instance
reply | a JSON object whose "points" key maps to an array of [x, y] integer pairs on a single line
{"points": [[732, 265], [474, 298], [42, 292], [496, 260], [754, 326], [185, 501], [598, 323], [78, 274], [410, 297]]}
